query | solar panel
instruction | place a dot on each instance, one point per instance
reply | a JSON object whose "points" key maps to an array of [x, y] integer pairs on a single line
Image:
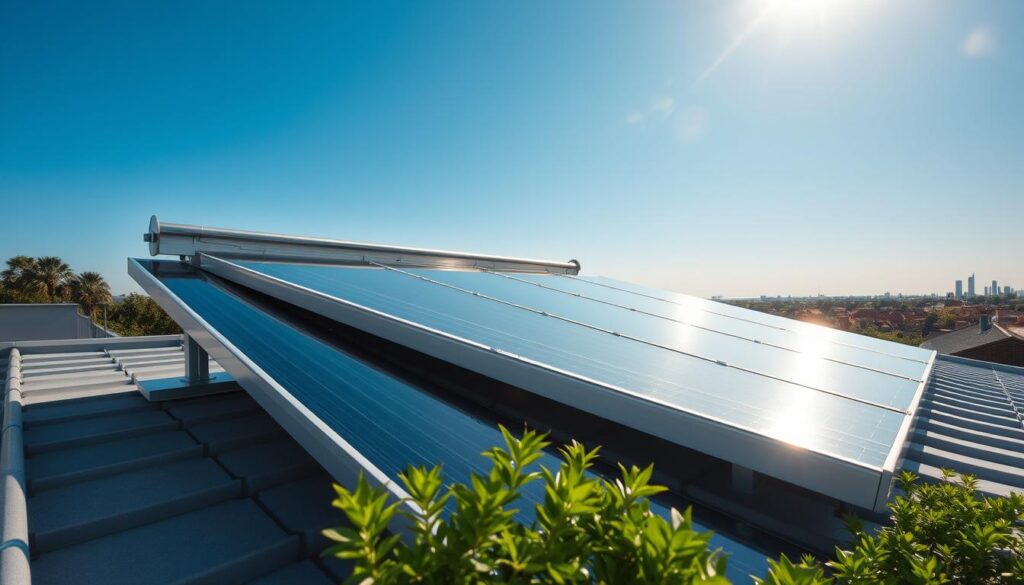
{"points": [[796, 402], [385, 422]]}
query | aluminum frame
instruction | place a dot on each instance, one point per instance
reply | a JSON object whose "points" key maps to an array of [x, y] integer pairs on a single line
{"points": [[341, 460], [190, 240], [845, 480]]}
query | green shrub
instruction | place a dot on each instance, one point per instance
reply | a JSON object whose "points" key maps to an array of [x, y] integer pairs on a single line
{"points": [[587, 530], [592, 530]]}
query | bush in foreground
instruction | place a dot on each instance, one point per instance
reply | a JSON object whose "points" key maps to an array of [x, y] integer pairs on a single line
{"points": [[593, 530]]}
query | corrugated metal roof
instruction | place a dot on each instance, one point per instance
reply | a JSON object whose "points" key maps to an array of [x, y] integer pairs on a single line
{"points": [[121, 490], [969, 420]]}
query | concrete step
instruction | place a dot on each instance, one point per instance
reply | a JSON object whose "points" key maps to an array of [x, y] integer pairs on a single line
{"points": [[229, 543], [82, 511], [65, 466], [264, 465], [76, 433]]}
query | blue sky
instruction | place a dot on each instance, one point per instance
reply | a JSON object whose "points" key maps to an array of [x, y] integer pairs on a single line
{"points": [[712, 147]]}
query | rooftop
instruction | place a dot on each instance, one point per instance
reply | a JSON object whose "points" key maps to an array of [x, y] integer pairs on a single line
{"points": [[768, 427], [969, 338]]}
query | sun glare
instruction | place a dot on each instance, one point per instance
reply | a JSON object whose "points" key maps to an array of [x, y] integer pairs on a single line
{"points": [[807, 15]]}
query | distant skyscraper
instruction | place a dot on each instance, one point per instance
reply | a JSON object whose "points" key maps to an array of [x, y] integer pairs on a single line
{"points": [[995, 289], [970, 286], [959, 289], [987, 289]]}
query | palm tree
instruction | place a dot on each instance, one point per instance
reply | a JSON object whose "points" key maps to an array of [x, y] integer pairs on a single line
{"points": [[89, 290], [52, 276], [16, 280]]}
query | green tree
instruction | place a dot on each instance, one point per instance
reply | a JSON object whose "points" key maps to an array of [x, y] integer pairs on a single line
{"points": [[90, 290], [16, 283], [138, 314], [52, 276]]}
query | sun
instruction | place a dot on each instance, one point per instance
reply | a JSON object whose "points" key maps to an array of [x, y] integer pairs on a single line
{"points": [[816, 15]]}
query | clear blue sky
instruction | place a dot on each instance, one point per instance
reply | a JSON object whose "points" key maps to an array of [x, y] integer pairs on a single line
{"points": [[712, 147]]}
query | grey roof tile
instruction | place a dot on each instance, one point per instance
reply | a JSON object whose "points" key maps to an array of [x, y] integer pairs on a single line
{"points": [[79, 409], [196, 411], [56, 468], [304, 573], [82, 511], [229, 543], [219, 436], [264, 465], [289, 504], [96, 430]]}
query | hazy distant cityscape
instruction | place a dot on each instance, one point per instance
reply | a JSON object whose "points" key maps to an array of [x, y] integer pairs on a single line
{"points": [[906, 318]]}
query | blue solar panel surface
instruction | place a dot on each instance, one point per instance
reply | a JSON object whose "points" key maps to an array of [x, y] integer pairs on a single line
{"points": [[845, 408], [392, 423]]}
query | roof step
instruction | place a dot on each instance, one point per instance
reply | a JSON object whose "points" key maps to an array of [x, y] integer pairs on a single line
{"points": [[968, 448], [82, 511], [42, 414], [304, 573], [208, 409], [98, 367], [90, 431], [1002, 402], [265, 465], [43, 387], [229, 543], [76, 393], [974, 436], [1003, 430], [970, 413], [58, 468], [290, 505], [220, 436], [932, 474], [988, 470], [1003, 411]]}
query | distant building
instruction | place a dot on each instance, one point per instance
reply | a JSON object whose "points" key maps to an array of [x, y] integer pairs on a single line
{"points": [[987, 291], [994, 288], [987, 341], [959, 289], [970, 286]]}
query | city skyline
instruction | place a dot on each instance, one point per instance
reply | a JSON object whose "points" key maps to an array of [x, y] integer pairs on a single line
{"points": [[727, 148]]}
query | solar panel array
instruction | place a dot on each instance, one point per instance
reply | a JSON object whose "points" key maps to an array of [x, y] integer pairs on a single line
{"points": [[842, 395], [390, 421]]}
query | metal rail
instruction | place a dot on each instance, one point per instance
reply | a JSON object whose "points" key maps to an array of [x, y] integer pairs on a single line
{"points": [[190, 240]]}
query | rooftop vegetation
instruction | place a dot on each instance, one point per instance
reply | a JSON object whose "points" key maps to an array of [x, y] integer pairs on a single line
{"points": [[48, 279], [594, 530]]}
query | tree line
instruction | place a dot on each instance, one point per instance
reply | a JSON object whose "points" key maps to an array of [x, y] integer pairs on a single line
{"points": [[48, 279]]}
